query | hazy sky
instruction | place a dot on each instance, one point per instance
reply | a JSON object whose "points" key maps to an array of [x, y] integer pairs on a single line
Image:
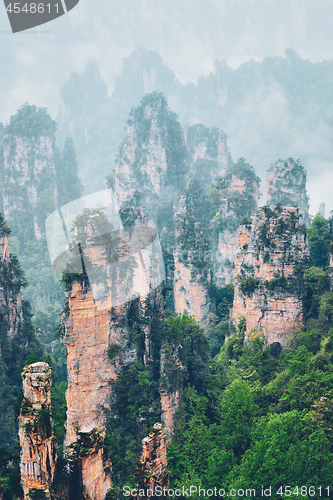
{"points": [[188, 35]]}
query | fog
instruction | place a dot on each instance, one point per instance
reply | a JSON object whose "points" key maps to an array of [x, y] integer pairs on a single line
{"points": [[188, 35]]}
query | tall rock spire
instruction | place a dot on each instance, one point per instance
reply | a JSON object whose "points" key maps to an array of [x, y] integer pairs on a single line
{"points": [[286, 184], [38, 445]]}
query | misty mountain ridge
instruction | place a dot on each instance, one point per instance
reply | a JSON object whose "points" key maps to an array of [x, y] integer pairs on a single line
{"points": [[278, 108]]}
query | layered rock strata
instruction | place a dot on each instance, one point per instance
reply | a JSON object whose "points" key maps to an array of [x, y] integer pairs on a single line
{"points": [[266, 287], [286, 184], [38, 445]]}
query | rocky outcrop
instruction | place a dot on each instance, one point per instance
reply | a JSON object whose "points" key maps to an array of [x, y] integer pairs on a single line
{"points": [[191, 273], [170, 404], [286, 184], [152, 470], [38, 445], [240, 188], [29, 170], [267, 290], [89, 369], [16, 338], [97, 334], [152, 155], [209, 155]]}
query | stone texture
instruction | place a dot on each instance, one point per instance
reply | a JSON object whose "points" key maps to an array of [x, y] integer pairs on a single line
{"points": [[268, 254], [209, 156], [190, 285], [92, 326], [152, 471], [241, 201], [89, 369], [170, 404], [38, 445], [286, 184], [143, 160], [29, 171]]}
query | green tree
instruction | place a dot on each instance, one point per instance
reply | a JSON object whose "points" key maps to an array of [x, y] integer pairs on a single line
{"points": [[287, 449], [319, 238], [237, 413]]}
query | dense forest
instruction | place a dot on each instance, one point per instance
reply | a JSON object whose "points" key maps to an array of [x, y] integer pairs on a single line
{"points": [[253, 415], [247, 412]]}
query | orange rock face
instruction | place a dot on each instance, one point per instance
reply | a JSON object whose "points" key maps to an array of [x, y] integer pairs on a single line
{"points": [[265, 288], [38, 446], [90, 372], [243, 187], [94, 463], [190, 295], [170, 403], [153, 462], [89, 369]]}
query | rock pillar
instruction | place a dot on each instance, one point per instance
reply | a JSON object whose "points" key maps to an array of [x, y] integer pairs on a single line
{"points": [[38, 445]]}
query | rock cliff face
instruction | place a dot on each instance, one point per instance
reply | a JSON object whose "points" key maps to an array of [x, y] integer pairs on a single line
{"points": [[286, 184], [100, 343], [152, 155], [29, 184], [209, 155], [191, 265], [152, 471], [17, 336], [38, 446], [266, 284], [239, 189], [35, 180]]}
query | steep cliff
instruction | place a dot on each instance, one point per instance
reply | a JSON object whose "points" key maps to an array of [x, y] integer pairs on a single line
{"points": [[192, 263], [152, 470], [38, 445], [286, 184], [152, 156], [206, 235], [238, 191], [35, 180], [94, 120], [29, 186], [209, 156], [17, 339], [267, 291], [105, 337]]}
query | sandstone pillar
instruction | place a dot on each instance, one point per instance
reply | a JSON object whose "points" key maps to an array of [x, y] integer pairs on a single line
{"points": [[38, 445]]}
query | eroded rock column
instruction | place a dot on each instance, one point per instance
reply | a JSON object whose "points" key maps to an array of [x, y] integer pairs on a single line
{"points": [[267, 291], [38, 445], [152, 470]]}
